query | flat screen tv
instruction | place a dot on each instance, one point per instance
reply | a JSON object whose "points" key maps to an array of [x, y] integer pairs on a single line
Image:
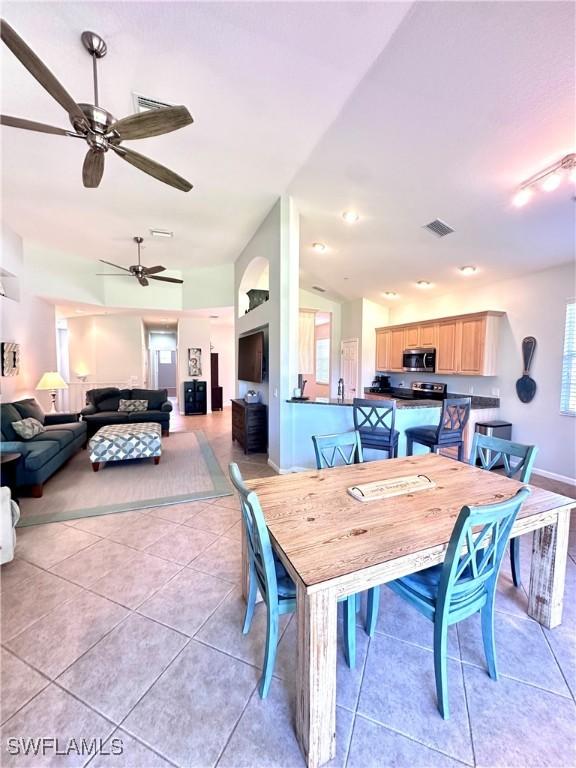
{"points": [[251, 357]]}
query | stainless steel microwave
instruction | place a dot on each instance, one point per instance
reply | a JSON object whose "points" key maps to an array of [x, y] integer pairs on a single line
{"points": [[419, 359]]}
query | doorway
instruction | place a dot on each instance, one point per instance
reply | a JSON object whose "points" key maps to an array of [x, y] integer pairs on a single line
{"points": [[162, 361], [349, 367], [314, 340]]}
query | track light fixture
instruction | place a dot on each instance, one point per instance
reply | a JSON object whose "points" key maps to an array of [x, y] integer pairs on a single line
{"points": [[547, 179]]}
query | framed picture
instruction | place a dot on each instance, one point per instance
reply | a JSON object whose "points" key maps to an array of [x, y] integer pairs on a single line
{"points": [[194, 361], [10, 358]]}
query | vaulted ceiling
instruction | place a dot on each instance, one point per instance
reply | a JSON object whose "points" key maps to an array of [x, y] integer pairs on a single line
{"points": [[403, 112]]}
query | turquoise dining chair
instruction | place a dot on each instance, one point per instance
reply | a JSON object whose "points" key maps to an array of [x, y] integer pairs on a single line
{"points": [[343, 449], [489, 451], [465, 583], [267, 574]]}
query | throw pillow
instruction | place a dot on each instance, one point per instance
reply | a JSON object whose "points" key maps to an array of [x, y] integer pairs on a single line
{"points": [[133, 406], [30, 409], [28, 428]]}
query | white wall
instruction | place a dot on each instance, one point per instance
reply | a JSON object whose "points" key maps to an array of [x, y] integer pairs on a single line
{"points": [[30, 322], [193, 332], [109, 347], [535, 305], [277, 240], [223, 342]]}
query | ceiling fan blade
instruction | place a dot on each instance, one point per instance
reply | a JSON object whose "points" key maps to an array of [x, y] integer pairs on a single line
{"points": [[40, 71], [154, 122], [153, 270], [142, 280], [30, 125], [93, 168], [152, 168], [166, 279], [115, 265], [111, 274]]}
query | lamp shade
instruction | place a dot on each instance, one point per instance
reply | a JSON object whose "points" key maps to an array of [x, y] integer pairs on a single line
{"points": [[52, 380]]}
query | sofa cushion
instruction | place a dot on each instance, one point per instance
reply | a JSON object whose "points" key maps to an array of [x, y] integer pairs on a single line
{"points": [[76, 429], [28, 428], [61, 436], [144, 416], [8, 414], [40, 453], [109, 399], [155, 397], [107, 417], [130, 406], [29, 408]]}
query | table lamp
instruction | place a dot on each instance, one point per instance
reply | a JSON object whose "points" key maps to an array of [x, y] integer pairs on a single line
{"points": [[52, 381]]}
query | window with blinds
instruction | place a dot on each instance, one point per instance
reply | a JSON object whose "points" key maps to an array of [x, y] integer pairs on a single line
{"points": [[568, 394]]}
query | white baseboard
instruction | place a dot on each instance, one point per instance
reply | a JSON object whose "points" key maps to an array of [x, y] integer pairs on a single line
{"points": [[555, 476], [279, 471]]}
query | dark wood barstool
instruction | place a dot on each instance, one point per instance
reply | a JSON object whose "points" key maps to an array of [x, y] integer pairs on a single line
{"points": [[374, 420], [448, 433]]}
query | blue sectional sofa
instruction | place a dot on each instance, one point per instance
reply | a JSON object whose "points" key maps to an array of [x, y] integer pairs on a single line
{"points": [[45, 453]]}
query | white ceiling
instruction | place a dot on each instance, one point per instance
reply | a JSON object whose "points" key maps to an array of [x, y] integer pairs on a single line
{"points": [[262, 81], [403, 113], [467, 101]]}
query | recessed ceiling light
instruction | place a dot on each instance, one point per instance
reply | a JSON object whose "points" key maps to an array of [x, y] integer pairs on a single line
{"points": [[213, 317], [522, 197], [350, 217], [161, 233], [467, 270], [390, 295], [319, 247], [424, 284]]}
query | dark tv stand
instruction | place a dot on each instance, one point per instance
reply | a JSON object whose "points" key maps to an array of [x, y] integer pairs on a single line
{"points": [[250, 426]]}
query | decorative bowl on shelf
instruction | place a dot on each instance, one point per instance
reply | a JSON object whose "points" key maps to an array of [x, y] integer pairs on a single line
{"points": [[252, 396]]}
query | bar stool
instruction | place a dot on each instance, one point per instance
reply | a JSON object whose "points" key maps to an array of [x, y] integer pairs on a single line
{"points": [[448, 433], [375, 420]]}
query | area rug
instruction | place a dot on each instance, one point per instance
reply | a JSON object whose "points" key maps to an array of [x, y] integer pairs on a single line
{"points": [[188, 471]]}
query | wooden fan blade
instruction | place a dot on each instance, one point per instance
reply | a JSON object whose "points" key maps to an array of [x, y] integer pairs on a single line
{"points": [[142, 280], [152, 168], [114, 265], [30, 125], [153, 270], [166, 279], [93, 168], [111, 274], [154, 122], [40, 71]]}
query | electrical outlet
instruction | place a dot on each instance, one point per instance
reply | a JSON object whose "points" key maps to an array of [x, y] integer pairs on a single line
{"points": [[275, 393], [471, 389], [495, 391]]}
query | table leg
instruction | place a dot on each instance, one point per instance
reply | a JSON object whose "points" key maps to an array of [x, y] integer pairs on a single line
{"points": [[549, 553], [316, 675]]}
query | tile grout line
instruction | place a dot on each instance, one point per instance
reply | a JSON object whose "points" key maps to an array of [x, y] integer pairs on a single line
{"points": [[468, 717]]}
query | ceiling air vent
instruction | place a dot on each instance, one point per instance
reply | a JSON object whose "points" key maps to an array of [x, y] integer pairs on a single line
{"points": [[317, 288], [439, 228], [144, 103]]}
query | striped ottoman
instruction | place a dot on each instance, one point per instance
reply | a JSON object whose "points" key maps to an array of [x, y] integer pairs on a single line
{"points": [[118, 442]]}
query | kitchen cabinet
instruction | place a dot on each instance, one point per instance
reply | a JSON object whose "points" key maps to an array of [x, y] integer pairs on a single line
{"points": [[382, 350], [411, 337], [446, 352], [465, 344], [396, 348]]}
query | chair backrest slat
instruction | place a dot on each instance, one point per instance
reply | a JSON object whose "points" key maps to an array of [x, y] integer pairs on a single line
{"points": [[370, 415], [257, 537], [475, 552], [490, 451], [337, 450], [454, 417]]}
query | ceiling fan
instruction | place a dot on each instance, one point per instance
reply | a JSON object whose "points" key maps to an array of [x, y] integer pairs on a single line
{"points": [[139, 271], [95, 125]]}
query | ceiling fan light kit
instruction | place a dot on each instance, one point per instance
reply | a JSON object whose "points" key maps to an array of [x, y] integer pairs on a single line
{"points": [[546, 180], [139, 271], [98, 127]]}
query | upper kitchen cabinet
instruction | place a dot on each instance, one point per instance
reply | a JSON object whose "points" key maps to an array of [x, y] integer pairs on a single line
{"points": [[465, 344]]}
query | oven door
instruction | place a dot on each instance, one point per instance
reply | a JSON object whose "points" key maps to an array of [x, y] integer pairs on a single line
{"points": [[419, 360]]}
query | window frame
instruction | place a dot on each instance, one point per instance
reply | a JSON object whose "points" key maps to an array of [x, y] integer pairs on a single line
{"points": [[568, 377]]}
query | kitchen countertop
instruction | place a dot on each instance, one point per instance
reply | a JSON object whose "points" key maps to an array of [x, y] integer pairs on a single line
{"points": [[478, 401], [400, 404]]}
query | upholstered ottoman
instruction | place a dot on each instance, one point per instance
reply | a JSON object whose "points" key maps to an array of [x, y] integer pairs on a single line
{"points": [[118, 442]]}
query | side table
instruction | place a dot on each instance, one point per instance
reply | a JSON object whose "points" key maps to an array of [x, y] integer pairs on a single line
{"points": [[8, 464]]}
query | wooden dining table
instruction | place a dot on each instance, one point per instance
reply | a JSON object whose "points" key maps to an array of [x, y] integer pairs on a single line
{"points": [[333, 545]]}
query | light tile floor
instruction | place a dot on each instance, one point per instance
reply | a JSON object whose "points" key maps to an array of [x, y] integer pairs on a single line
{"points": [[128, 627]]}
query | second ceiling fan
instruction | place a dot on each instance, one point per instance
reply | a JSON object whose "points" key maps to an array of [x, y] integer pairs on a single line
{"points": [[139, 271], [100, 129]]}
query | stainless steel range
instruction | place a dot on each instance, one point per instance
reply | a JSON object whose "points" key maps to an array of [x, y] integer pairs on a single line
{"points": [[425, 390]]}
